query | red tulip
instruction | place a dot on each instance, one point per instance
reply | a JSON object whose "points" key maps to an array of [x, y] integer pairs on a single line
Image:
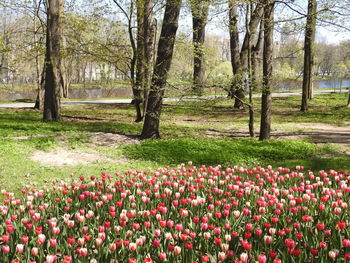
{"points": [[341, 225], [67, 259], [323, 244], [314, 251], [346, 242]]}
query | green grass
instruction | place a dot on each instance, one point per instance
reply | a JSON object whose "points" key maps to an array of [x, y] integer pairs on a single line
{"points": [[243, 152], [184, 127], [329, 108], [17, 169], [184, 118], [227, 152]]}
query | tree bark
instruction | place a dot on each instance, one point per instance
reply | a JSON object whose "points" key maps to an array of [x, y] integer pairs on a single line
{"points": [[235, 52], [240, 69], [310, 31], [256, 50], [39, 102], [249, 65], [149, 36], [164, 58], [140, 51], [199, 11], [266, 100], [252, 27], [4, 66], [54, 80]]}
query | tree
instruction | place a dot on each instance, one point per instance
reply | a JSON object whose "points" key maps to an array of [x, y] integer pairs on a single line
{"points": [[162, 66], [141, 62], [54, 79], [39, 102], [234, 46], [199, 10], [149, 36], [136, 60], [310, 31], [266, 99], [239, 57]]}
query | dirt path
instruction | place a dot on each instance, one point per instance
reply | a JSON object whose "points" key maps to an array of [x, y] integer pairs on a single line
{"points": [[64, 156], [315, 132]]}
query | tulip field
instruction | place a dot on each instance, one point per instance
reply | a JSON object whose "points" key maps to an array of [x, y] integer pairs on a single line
{"points": [[182, 214]]}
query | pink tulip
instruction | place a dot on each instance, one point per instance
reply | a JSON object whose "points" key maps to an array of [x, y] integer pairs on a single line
{"points": [[5, 249], [83, 252], [34, 251], [70, 223], [98, 242], [19, 248], [221, 256], [262, 258], [51, 258], [53, 242], [177, 250], [244, 257], [132, 246], [41, 239], [162, 256]]}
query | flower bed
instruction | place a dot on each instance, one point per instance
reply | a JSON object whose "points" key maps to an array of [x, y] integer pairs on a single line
{"points": [[182, 214]]}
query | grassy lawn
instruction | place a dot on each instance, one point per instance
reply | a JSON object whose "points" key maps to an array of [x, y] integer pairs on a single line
{"points": [[187, 129]]}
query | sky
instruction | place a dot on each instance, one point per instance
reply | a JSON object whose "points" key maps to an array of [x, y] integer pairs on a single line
{"points": [[218, 25]]}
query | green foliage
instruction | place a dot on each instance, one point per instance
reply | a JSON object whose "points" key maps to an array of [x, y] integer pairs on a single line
{"points": [[285, 71], [221, 74], [227, 152]]}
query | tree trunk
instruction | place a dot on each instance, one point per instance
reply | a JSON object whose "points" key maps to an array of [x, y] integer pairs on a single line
{"points": [[137, 98], [266, 100], [249, 64], [164, 58], [235, 55], [4, 66], [252, 27], [149, 37], [199, 11], [348, 104], [237, 86], [54, 80], [139, 86], [310, 31], [39, 102], [255, 56]]}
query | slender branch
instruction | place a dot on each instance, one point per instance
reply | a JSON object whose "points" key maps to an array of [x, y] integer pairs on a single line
{"points": [[123, 11]]}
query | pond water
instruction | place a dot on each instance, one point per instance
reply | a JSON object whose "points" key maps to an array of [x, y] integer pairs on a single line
{"points": [[318, 84], [73, 94]]}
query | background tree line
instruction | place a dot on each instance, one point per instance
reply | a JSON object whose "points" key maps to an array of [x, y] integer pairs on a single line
{"points": [[54, 43]]}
